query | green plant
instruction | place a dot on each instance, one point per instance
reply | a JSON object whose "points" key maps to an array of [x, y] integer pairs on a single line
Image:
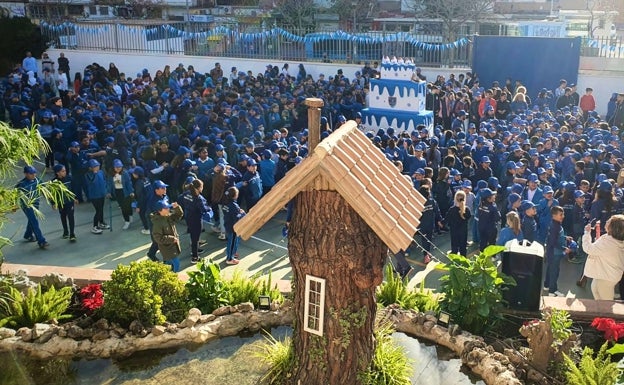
{"points": [[207, 291], [394, 291], [146, 291], [560, 324], [473, 290], [390, 365], [592, 371], [35, 306], [279, 355], [247, 289]]}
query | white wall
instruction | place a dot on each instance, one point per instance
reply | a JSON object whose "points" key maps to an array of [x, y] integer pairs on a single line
{"points": [[604, 83]]}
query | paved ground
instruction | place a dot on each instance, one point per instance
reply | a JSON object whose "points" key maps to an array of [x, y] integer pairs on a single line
{"points": [[266, 251]]}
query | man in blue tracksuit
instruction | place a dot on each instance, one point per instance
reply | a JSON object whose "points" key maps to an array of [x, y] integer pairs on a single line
{"points": [[28, 203], [489, 219], [159, 193]]}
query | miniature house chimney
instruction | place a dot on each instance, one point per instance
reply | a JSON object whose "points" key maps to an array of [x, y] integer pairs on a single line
{"points": [[314, 122]]}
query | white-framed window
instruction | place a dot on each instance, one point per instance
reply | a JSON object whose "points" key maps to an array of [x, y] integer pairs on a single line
{"points": [[314, 303]]}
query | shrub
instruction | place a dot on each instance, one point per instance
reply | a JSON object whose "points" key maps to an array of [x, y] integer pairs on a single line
{"points": [[390, 365], [394, 291], [473, 290], [206, 289], [35, 306], [146, 291], [590, 370], [247, 289]]}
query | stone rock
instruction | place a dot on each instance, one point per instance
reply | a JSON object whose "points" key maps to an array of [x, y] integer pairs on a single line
{"points": [[136, 327], [275, 306], [158, 330], [193, 316], [48, 334], [194, 313], [7, 333], [205, 318], [57, 280], [223, 310], [84, 322], [101, 335], [119, 330], [172, 328], [101, 324], [75, 332], [62, 332], [88, 332], [25, 334], [245, 307], [39, 329]]}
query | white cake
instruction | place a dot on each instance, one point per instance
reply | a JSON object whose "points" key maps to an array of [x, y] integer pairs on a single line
{"points": [[399, 95], [397, 71], [396, 101]]}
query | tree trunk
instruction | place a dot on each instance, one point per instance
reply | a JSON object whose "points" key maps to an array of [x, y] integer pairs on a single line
{"points": [[329, 240]]}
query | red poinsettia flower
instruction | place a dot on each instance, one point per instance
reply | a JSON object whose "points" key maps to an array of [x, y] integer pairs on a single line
{"points": [[92, 297], [612, 330]]}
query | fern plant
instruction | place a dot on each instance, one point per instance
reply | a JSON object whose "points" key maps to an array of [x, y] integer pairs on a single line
{"points": [[36, 306], [390, 365], [590, 370], [279, 355], [394, 291], [248, 289]]}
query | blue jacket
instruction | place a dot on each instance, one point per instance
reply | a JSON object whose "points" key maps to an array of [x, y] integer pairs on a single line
{"points": [[195, 207], [267, 172], [556, 240], [126, 182], [231, 214], [29, 188], [95, 185], [430, 216], [506, 234], [529, 228], [489, 218]]}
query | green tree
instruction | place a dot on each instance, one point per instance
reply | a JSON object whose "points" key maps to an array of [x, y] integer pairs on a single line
{"points": [[16, 148], [19, 35], [298, 14]]}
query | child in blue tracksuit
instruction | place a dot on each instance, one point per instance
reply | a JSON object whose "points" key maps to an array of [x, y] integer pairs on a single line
{"points": [[195, 208], [489, 219], [266, 168], [429, 219], [95, 186], [556, 249], [28, 186], [65, 208], [119, 185], [142, 189], [475, 210], [543, 214], [231, 214], [251, 184]]}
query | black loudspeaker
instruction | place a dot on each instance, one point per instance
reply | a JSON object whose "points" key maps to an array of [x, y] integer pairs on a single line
{"points": [[524, 263]]}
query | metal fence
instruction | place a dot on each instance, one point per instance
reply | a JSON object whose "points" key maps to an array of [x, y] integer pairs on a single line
{"points": [[203, 39], [603, 46]]}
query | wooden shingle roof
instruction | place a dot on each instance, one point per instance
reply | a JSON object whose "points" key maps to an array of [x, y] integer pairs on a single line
{"points": [[350, 164]]}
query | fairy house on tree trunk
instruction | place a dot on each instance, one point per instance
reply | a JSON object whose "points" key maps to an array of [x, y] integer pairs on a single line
{"points": [[351, 205]]}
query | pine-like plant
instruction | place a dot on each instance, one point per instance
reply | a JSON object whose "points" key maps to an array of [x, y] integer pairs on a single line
{"points": [[592, 371], [35, 306]]}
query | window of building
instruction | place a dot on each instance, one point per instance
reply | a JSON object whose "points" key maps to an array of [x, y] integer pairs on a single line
{"points": [[314, 305]]}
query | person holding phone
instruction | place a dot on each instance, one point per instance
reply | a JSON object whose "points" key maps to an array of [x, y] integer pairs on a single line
{"points": [[605, 257]]}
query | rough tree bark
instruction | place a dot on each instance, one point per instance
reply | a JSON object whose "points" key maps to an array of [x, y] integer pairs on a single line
{"points": [[328, 239]]}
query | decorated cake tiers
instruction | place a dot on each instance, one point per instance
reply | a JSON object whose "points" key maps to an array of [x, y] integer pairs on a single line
{"points": [[396, 101], [397, 71], [399, 95]]}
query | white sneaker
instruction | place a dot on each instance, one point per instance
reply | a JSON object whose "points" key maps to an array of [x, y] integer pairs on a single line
{"points": [[556, 294], [125, 226], [145, 231], [215, 229], [222, 236], [103, 226], [95, 230]]}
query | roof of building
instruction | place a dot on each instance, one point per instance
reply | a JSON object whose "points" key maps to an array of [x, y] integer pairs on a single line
{"points": [[347, 162]]}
